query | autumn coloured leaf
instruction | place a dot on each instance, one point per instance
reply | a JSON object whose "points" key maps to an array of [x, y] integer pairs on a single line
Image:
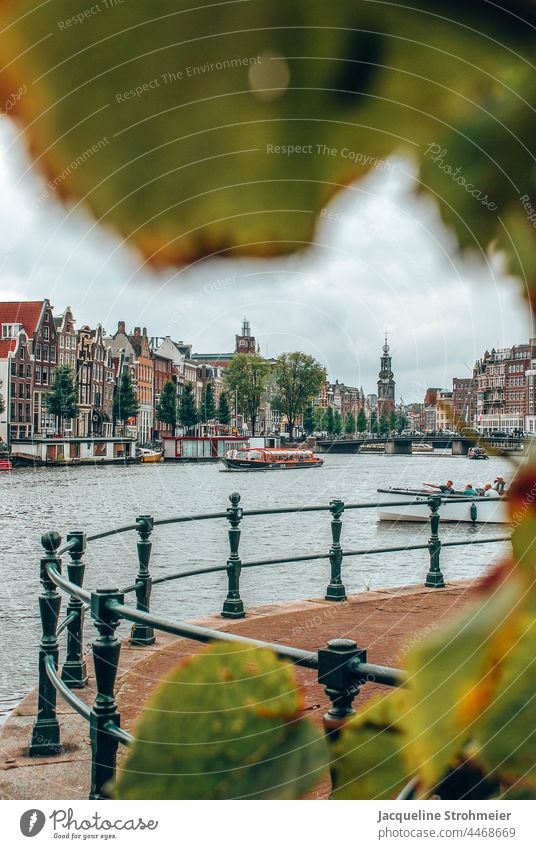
{"points": [[227, 127]]}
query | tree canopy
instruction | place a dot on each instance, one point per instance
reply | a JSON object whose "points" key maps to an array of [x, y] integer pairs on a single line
{"points": [[167, 409], [188, 413], [125, 403], [247, 376], [224, 413], [208, 404], [299, 379], [62, 400]]}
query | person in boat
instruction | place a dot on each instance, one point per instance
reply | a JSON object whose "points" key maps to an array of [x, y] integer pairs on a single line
{"points": [[447, 488], [499, 485], [489, 492], [469, 490]]}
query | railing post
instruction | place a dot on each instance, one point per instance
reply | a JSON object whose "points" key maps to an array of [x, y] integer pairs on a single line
{"points": [[106, 651], [74, 671], [434, 577], [338, 678], [143, 635], [46, 731], [336, 590], [233, 606]]}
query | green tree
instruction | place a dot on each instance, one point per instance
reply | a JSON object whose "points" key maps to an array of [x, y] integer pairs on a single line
{"points": [[383, 425], [374, 428], [224, 412], [337, 423], [402, 421], [167, 410], [330, 420], [247, 376], [361, 423], [61, 401], [393, 420], [319, 418], [309, 419], [188, 415], [208, 405], [299, 378], [349, 423], [125, 405]]}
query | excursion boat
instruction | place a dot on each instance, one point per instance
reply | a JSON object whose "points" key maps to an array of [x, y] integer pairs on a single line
{"points": [[150, 455], [422, 448], [264, 459], [480, 509], [476, 453]]}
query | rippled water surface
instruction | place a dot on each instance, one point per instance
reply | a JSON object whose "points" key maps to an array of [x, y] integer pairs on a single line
{"points": [[96, 499]]}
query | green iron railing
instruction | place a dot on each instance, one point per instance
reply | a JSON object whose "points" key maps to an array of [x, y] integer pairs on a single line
{"points": [[342, 666]]}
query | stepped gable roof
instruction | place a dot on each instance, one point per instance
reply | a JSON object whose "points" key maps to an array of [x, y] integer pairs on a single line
{"points": [[26, 313]]}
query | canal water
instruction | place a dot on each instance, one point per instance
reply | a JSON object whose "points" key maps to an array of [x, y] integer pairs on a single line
{"points": [[97, 499]]}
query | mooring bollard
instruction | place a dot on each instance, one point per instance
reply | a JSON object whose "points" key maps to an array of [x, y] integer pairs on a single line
{"points": [[74, 671], [434, 577], [338, 678], [143, 635], [336, 590], [46, 731], [233, 606], [106, 651]]}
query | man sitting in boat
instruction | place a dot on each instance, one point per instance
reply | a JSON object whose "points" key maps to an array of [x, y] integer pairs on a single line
{"points": [[469, 490], [490, 492], [447, 487], [499, 485]]}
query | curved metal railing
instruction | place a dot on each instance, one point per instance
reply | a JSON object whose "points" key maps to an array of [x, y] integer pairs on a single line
{"points": [[342, 666]]}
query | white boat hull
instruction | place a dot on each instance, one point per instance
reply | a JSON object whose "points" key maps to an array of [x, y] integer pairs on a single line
{"points": [[488, 510]]}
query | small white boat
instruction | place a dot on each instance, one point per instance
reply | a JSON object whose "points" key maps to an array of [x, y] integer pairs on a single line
{"points": [[480, 509], [150, 455], [422, 448], [477, 453]]}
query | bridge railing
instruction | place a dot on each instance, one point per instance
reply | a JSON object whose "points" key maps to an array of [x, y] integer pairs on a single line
{"points": [[342, 666]]}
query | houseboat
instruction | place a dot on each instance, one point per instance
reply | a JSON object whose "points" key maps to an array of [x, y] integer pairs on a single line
{"points": [[265, 459], [197, 449], [72, 451], [480, 509]]}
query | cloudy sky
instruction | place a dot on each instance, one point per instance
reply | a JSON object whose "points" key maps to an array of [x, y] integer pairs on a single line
{"points": [[382, 259]]}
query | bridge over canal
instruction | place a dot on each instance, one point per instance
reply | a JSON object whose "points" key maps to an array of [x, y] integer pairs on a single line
{"points": [[459, 445]]}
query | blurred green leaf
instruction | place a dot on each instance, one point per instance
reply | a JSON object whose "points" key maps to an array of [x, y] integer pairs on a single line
{"points": [[225, 725], [228, 126], [367, 762]]}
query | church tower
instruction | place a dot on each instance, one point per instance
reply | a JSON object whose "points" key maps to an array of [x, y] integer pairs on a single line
{"points": [[245, 343], [386, 384]]}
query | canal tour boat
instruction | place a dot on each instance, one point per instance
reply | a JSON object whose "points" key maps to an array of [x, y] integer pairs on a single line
{"points": [[266, 459], [481, 509]]}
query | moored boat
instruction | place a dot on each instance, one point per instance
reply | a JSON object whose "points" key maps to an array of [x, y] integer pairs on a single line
{"points": [[477, 453], [150, 455], [422, 448], [5, 465], [480, 509], [267, 459]]}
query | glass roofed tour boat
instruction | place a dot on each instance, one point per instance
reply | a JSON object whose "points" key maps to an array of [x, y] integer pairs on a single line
{"points": [[265, 459]]}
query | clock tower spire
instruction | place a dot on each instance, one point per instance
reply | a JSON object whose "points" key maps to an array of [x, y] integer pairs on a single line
{"points": [[386, 383]]}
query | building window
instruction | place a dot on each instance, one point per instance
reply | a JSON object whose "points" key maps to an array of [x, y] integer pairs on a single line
{"points": [[53, 354], [38, 352], [9, 331], [44, 379], [28, 391], [45, 352], [45, 333]]}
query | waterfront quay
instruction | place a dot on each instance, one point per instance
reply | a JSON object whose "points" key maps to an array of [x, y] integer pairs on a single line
{"points": [[385, 621]]}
